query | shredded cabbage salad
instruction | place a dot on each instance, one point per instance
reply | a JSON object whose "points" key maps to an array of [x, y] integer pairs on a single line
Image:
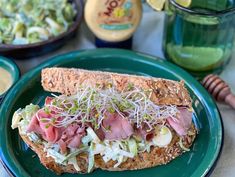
{"points": [[30, 21], [89, 105]]}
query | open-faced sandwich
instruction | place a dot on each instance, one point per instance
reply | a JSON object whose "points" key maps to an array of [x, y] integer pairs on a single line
{"points": [[107, 120]]}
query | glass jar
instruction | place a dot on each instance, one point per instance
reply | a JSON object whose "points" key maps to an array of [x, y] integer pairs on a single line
{"points": [[200, 38]]}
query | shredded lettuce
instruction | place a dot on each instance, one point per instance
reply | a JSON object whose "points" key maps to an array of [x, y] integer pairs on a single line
{"points": [[53, 151], [99, 148], [30, 110], [91, 158], [132, 146], [86, 140], [17, 117], [59, 158], [34, 138], [112, 150], [22, 117], [93, 135], [120, 159], [75, 153]]}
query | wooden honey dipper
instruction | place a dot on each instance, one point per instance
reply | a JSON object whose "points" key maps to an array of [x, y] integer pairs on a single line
{"points": [[219, 89]]}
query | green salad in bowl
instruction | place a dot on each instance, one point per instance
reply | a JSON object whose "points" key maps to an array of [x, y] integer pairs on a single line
{"points": [[30, 21]]}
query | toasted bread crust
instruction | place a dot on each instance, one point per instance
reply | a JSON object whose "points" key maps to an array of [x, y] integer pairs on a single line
{"points": [[66, 81], [156, 156]]}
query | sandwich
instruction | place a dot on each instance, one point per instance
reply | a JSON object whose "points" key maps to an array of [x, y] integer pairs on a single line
{"points": [[107, 120]]}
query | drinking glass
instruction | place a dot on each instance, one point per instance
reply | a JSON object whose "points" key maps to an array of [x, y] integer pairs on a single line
{"points": [[200, 38]]}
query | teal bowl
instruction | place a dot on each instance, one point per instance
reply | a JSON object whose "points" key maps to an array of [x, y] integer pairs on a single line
{"points": [[28, 51], [13, 69]]}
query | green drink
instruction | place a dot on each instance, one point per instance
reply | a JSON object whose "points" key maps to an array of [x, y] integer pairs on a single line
{"points": [[200, 38]]}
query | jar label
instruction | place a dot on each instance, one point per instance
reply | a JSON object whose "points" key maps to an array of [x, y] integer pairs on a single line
{"points": [[116, 15]]}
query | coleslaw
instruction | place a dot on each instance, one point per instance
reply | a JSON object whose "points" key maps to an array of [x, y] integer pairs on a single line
{"points": [[31, 21]]}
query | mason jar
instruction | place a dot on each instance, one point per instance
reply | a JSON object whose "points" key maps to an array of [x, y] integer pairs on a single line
{"points": [[200, 38]]}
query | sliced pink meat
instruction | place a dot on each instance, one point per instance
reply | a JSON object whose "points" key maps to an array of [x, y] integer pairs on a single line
{"points": [[71, 130], [64, 136], [100, 133], [47, 131], [48, 100], [182, 122], [71, 137], [34, 126], [144, 132], [115, 127], [51, 133], [75, 141], [63, 146]]}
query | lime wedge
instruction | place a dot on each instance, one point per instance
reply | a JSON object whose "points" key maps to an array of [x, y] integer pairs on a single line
{"points": [[184, 3], [156, 4], [159, 4], [195, 58]]}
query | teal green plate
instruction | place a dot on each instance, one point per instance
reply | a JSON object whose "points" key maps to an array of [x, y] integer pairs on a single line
{"points": [[198, 162]]}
